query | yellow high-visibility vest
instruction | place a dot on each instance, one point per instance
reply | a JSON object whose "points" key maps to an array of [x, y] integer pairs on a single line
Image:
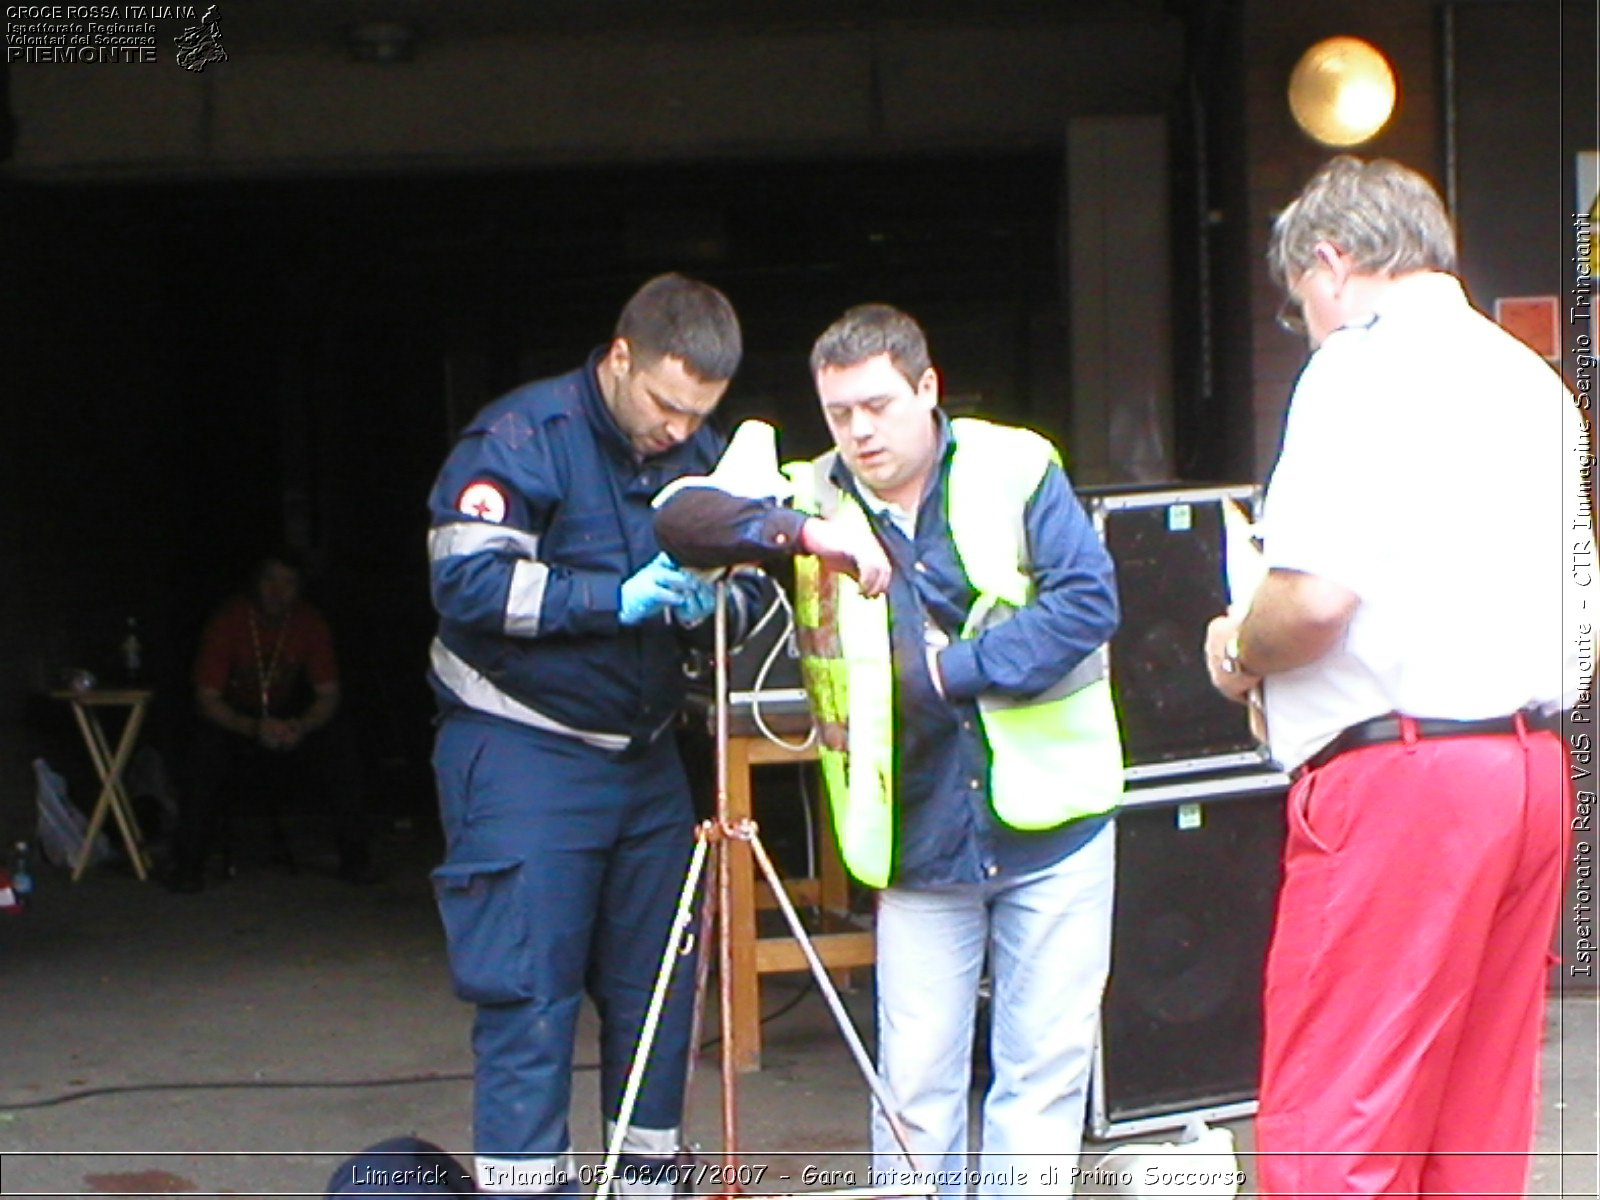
{"points": [[1054, 757]]}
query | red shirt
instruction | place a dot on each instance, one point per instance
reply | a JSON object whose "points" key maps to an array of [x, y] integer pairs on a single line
{"points": [[244, 656]]}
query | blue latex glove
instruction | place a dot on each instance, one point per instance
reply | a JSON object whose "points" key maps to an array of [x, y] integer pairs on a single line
{"points": [[697, 605], [652, 589]]}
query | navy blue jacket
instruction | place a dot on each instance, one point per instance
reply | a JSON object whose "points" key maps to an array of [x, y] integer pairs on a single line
{"points": [[539, 514]]}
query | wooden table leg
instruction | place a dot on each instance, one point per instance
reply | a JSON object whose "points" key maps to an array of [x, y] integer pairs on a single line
{"points": [[97, 814], [745, 1034], [113, 796], [121, 801]]}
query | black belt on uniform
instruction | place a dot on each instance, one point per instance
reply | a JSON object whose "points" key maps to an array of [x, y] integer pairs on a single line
{"points": [[1381, 730]]}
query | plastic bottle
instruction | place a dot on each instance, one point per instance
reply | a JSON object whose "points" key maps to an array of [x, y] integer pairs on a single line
{"points": [[21, 873], [132, 652]]}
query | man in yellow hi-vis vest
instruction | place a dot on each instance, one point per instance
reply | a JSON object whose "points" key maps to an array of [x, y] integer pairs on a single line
{"points": [[968, 741]]}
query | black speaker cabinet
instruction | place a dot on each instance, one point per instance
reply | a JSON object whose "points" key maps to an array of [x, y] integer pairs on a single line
{"points": [[1169, 549], [1198, 867]]}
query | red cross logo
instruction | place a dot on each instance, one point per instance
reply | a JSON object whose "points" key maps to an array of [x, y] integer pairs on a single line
{"points": [[484, 501]]}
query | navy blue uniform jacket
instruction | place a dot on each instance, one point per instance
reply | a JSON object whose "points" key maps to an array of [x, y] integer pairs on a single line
{"points": [[539, 514]]}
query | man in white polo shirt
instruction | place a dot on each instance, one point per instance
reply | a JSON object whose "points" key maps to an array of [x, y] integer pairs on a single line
{"points": [[1415, 640]]}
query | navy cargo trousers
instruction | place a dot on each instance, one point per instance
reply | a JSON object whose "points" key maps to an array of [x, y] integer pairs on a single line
{"points": [[563, 866]]}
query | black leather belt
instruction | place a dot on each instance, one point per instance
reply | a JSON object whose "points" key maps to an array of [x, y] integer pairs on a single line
{"points": [[1381, 730]]}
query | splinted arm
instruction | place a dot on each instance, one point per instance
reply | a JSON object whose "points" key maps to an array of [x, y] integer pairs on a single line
{"points": [[706, 527]]}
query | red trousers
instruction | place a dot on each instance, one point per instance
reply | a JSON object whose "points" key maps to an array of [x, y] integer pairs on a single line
{"points": [[1406, 979]]}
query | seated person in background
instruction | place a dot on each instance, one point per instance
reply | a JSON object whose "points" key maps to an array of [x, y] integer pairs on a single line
{"points": [[267, 685]]}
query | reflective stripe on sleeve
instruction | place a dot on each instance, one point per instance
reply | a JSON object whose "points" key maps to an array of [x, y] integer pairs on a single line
{"points": [[525, 599], [475, 537]]}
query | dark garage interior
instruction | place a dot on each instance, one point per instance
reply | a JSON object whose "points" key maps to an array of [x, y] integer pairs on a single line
{"points": [[289, 361]]}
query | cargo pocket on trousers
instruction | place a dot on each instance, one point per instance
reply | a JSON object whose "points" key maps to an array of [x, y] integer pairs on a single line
{"points": [[486, 929]]}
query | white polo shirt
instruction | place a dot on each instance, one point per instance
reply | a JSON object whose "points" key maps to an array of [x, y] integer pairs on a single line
{"points": [[1430, 465]]}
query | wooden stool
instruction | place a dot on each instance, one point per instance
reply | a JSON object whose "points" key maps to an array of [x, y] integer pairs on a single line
{"points": [[753, 956]]}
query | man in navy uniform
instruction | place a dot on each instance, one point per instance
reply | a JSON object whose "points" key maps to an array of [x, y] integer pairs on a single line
{"points": [[557, 667]]}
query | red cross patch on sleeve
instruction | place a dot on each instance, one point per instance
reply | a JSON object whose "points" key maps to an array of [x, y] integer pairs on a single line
{"points": [[483, 501]]}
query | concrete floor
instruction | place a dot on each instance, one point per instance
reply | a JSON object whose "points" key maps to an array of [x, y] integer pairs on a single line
{"points": [[245, 1039]]}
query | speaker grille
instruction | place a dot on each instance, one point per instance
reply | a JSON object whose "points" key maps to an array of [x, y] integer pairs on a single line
{"points": [[1169, 553], [1197, 885]]}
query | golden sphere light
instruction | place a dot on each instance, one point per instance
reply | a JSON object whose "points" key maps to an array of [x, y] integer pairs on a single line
{"points": [[1342, 91]]}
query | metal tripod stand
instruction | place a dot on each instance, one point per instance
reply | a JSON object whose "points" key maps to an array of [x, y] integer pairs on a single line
{"points": [[715, 838]]}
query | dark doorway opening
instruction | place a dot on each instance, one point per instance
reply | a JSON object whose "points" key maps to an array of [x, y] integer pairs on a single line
{"points": [[215, 366]]}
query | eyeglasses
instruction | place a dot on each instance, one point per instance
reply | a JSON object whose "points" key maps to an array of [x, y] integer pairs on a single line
{"points": [[1291, 317]]}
